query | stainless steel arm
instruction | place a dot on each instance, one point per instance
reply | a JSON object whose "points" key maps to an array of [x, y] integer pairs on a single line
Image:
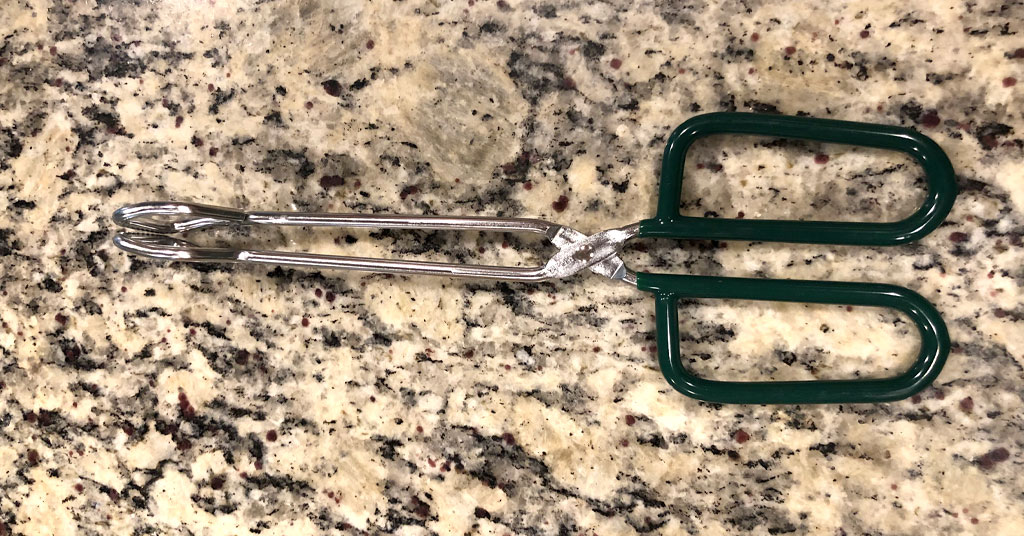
{"points": [[576, 251]]}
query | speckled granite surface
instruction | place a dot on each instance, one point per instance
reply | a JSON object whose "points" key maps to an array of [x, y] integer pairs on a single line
{"points": [[145, 398]]}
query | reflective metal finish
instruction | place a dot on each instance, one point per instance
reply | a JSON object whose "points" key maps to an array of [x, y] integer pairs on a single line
{"points": [[575, 250], [600, 253]]}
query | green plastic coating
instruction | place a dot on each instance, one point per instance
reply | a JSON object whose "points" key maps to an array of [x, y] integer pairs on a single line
{"points": [[668, 289], [670, 224]]}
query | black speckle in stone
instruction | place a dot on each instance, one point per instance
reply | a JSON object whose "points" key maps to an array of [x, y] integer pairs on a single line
{"points": [[739, 52], [86, 138], [408, 190], [10, 147], [279, 273], [964, 185], [76, 357], [784, 528], [381, 339], [534, 76], [145, 353], [283, 164], [331, 181], [90, 307], [299, 488], [592, 50], [23, 204], [631, 105], [654, 440], [925, 265], [212, 54], [49, 418], [331, 339], [519, 166], [491, 27], [110, 120], [988, 133], [620, 187], [675, 14], [825, 448], [201, 267], [862, 72], [213, 330], [546, 11], [709, 332], [907, 19], [729, 104], [513, 298], [786, 356], [52, 286], [273, 119], [339, 167], [332, 87], [761, 107], [389, 447], [220, 97], [358, 84], [911, 111], [255, 447], [281, 90], [103, 60]]}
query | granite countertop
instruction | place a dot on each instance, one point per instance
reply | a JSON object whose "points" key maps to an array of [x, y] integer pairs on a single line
{"points": [[148, 398]]}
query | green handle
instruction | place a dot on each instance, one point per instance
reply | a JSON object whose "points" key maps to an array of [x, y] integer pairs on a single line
{"points": [[668, 222], [668, 289]]}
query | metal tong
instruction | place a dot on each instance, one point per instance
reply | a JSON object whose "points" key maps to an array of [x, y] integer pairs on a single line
{"points": [[151, 225], [575, 250]]}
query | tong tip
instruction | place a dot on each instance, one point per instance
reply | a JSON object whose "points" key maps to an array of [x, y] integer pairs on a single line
{"points": [[158, 246], [168, 217]]}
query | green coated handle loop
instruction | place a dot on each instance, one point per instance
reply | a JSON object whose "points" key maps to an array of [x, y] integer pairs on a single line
{"points": [[668, 289], [670, 224]]}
